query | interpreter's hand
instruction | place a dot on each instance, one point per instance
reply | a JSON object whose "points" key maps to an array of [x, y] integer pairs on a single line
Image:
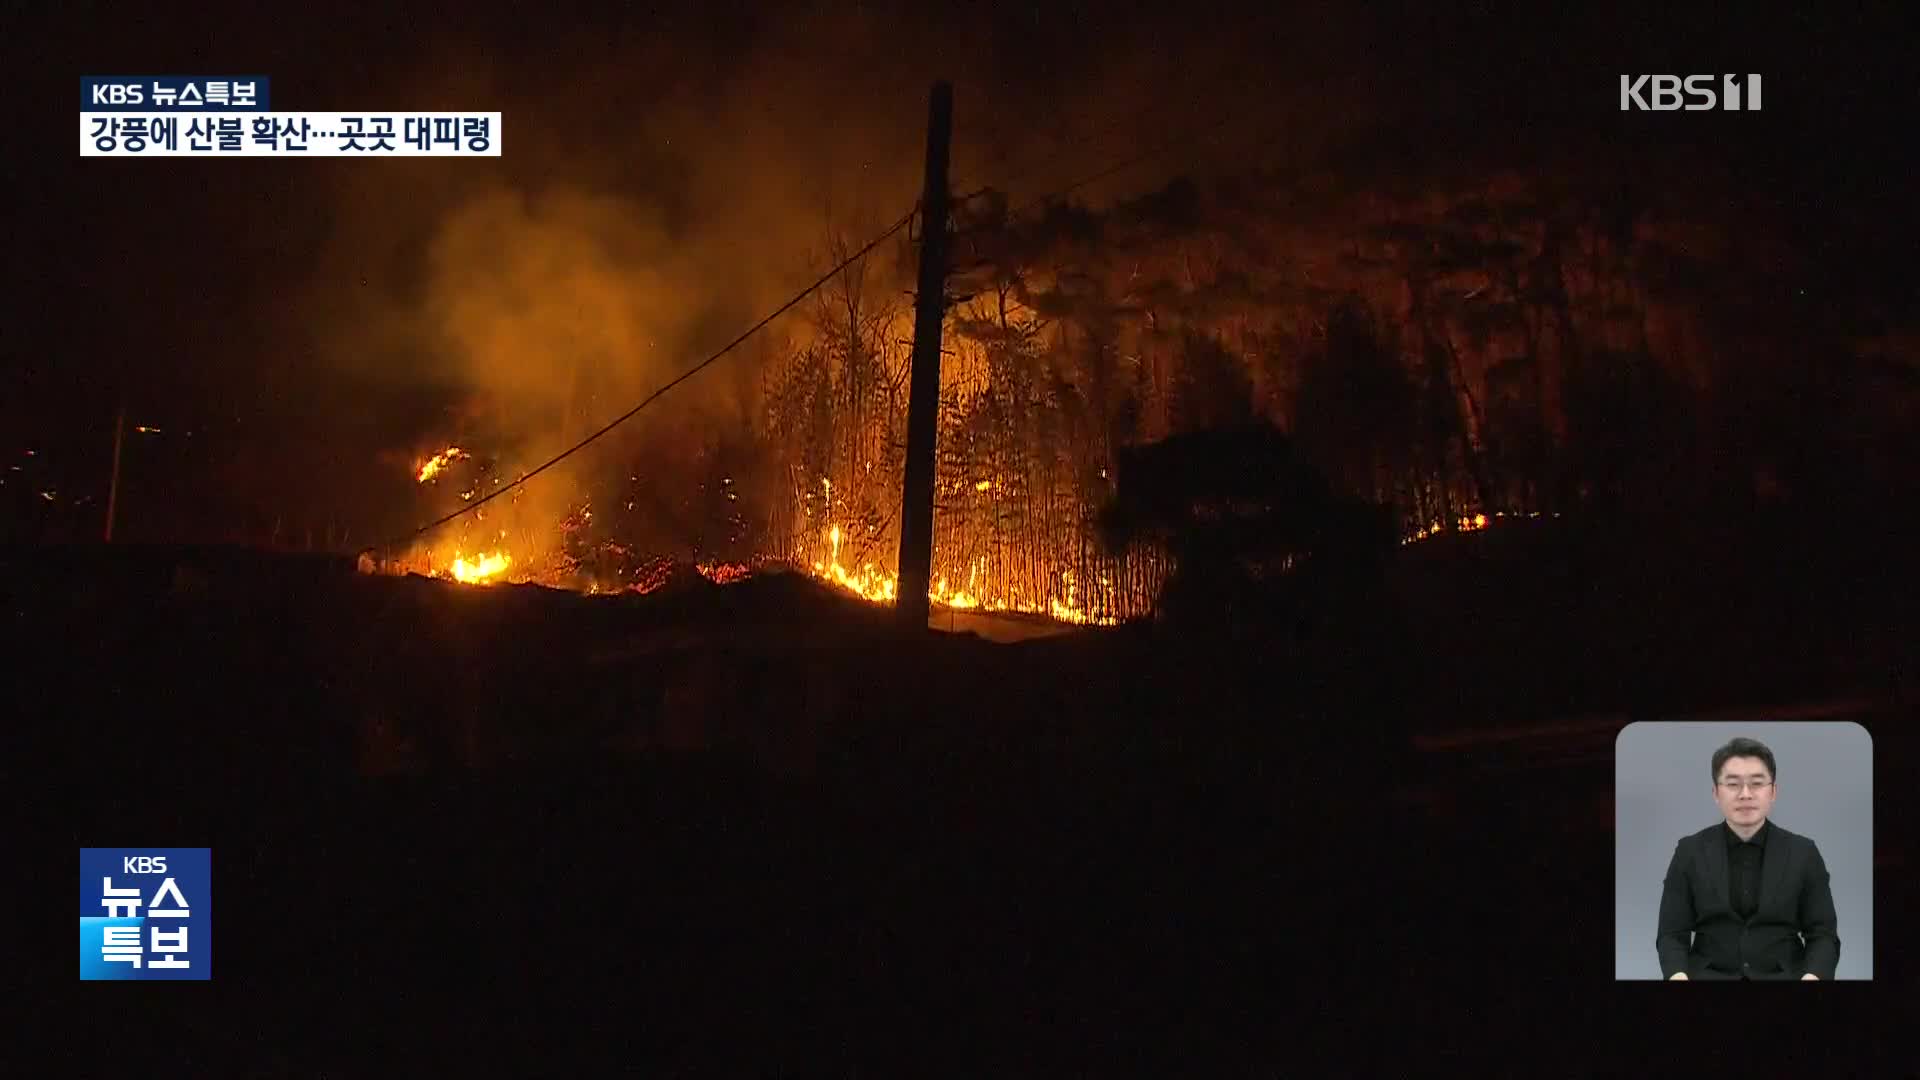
{"points": [[1680, 976], [1809, 975]]}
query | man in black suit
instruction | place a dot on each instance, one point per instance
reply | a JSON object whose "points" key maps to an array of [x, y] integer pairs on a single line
{"points": [[1741, 896]]}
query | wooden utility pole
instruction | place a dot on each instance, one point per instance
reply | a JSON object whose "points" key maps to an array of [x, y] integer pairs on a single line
{"points": [[923, 402], [113, 484]]}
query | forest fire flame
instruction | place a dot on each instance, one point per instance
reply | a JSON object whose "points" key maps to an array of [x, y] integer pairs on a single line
{"points": [[1470, 524], [1462, 524], [434, 465], [482, 569], [724, 573], [972, 586], [879, 587]]}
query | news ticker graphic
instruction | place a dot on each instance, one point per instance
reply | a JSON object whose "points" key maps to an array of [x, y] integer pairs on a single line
{"points": [[146, 913], [229, 116], [306, 134]]}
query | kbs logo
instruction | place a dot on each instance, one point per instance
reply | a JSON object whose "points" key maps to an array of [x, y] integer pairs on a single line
{"points": [[1693, 93], [118, 94], [133, 926]]}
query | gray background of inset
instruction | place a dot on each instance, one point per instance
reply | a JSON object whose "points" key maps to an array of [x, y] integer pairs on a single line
{"points": [[1663, 790]]}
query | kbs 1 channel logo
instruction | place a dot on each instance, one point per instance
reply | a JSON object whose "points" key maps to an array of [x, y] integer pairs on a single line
{"points": [[126, 116], [1689, 93], [146, 913]]}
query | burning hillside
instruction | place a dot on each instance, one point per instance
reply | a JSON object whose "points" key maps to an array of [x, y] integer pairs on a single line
{"points": [[1454, 359], [579, 554], [566, 553]]}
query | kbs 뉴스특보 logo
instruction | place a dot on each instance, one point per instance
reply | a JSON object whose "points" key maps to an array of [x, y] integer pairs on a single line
{"points": [[146, 913]]}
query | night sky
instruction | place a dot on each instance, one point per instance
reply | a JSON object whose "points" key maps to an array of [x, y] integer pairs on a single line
{"points": [[683, 161]]}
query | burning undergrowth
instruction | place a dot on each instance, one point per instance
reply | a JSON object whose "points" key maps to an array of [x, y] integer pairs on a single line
{"points": [[521, 537], [516, 539], [564, 543]]}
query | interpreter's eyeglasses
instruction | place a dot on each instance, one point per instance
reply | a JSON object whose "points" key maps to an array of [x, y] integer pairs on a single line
{"points": [[1734, 787]]}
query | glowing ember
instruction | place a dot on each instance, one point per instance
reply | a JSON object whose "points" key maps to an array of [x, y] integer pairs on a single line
{"points": [[433, 466], [1466, 524], [724, 573], [482, 569]]}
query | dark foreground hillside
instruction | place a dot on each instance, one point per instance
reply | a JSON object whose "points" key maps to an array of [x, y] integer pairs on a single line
{"points": [[750, 823]]}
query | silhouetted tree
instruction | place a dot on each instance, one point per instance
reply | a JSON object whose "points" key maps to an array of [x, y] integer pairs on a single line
{"points": [[1211, 388], [1629, 428], [1355, 410], [1250, 526]]}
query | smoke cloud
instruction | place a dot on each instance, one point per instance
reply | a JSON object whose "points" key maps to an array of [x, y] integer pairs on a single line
{"points": [[661, 191]]}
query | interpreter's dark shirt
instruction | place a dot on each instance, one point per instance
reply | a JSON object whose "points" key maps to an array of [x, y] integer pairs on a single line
{"points": [[1743, 869]]}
